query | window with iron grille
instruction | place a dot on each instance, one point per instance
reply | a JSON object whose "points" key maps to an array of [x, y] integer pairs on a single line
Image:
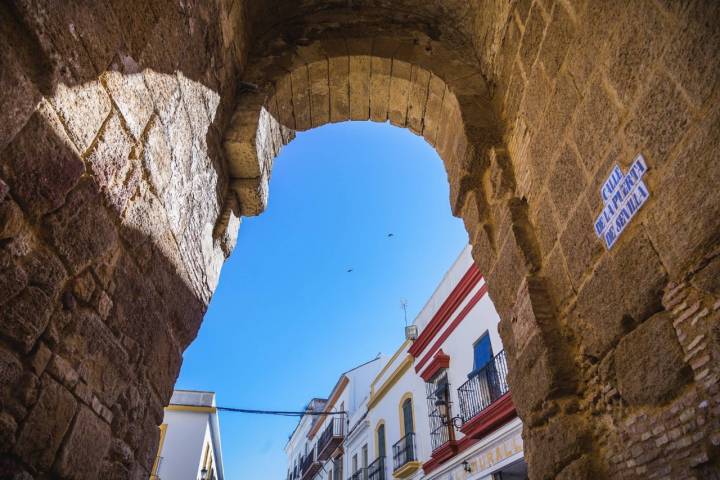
{"points": [[439, 412]]}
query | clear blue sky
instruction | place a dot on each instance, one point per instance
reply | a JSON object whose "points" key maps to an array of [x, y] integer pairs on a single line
{"points": [[287, 318]]}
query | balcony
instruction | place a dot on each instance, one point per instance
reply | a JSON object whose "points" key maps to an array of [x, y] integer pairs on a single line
{"points": [[360, 474], [331, 438], [485, 400], [376, 470], [405, 460], [309, 466]]}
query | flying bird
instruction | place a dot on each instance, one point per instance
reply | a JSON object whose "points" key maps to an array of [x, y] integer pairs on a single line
{"points": [[349, 270], [390, 235]]}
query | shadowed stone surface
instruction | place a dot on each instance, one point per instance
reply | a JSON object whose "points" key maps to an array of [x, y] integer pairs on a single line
{"points": [[135, 135]]}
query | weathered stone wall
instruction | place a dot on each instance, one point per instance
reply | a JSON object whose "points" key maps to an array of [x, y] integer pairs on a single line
{"points": [[135, 135], [112, 181]]}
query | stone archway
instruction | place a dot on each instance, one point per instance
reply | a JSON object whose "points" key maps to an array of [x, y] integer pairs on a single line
{"points": [[137, 134]]}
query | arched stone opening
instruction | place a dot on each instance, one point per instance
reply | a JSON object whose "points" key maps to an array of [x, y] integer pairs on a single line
{"points": [[613, 352]]}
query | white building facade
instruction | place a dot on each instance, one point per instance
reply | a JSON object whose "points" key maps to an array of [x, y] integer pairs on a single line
{"points": [[440, 407], [317, 449], [190, 447]]}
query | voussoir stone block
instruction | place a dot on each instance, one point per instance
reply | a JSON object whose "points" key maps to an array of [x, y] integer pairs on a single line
{"points": [[45, 427], [89, 435], [81, 230], [649, 362], [83, 109], [41, 164]]}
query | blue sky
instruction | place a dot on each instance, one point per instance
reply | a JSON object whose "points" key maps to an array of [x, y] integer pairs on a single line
{"points": [[287, 318]]}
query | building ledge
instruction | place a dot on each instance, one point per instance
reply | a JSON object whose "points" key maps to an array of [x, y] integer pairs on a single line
{"points": [[440, 455], [406, 470], [494, 416], [438, 363]]}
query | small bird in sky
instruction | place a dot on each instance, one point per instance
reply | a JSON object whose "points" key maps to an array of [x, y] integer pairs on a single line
{"points": [[349, 270], [390, 235]]}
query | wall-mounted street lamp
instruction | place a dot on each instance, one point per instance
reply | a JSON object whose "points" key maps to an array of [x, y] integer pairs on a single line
{"points": [[444, 410], [466, 466], [203, 474]]}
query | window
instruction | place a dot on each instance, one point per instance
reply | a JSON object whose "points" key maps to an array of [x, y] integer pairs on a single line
{"points": [[407, 416], [482, 352], [439, 412], [337, 468], [365, 456], [381, 440], [354, 463]]}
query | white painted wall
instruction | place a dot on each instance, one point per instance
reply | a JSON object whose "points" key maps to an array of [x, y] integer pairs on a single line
{"points": [[187, 435]]}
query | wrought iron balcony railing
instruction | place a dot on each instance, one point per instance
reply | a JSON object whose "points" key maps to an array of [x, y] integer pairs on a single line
{"points": [[309, 465], [330, 438], [484, 387], [404, 451], [360, 474], [376, 470]]}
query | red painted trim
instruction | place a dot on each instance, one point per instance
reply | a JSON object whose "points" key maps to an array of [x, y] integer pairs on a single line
{"points": [[445, 452], [487, 421], [446, 333], [497, 414], [440, 361], [451, 303]]}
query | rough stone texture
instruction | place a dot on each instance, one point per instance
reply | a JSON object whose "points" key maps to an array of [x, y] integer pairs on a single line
{"points": [[649, 362], [135, 135]]}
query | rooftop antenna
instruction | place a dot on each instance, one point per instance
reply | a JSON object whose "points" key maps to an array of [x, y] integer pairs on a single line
{"points": [[403, 305], [411, 331]]}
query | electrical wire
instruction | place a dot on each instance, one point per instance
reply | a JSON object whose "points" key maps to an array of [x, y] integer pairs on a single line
{"points": [[282, 413]]}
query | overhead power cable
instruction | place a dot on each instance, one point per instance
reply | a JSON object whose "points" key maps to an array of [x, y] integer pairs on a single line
{"points": [[282, 413]]}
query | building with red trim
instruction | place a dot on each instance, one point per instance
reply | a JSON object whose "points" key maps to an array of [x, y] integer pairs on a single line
{"points": [[439, 408]]}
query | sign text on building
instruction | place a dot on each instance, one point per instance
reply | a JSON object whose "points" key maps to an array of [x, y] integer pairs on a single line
{"points": [[623, 196]]}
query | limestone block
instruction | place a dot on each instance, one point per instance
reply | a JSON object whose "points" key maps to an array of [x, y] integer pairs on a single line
{"points": [[284, 100], [112, 168], [660, 120], [11, 371], [566, 182], [417, 97], [433, 109], [595, 125], [83, 109], [649, 362], [609, 302], [130, 94], [635, 49], [380, 74], [534, 31], [157, 157], [46, 425], [13, 278], [339, 79], [692, 52], [580, 245], [301, 98], [164, 92], [45, 270], [683, 204], [400, 84], [18, 107], [89, 435], [359, 87], [550, 448], [40, 148], [319, 92], [81, 231], [537, 95], [559, 36], [25, 317], [8, 427]]}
